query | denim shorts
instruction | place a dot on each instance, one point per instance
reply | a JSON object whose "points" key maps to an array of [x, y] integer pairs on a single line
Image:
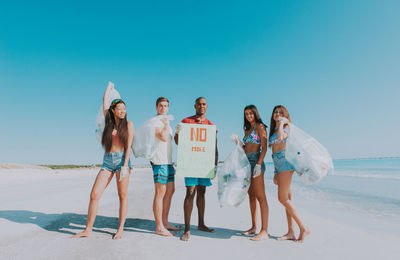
{"points": [[163, 173], [253, 159], [114, 161], [280, 162]]}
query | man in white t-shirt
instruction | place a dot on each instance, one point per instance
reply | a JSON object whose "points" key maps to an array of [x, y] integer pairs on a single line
{"points": [[163, 171]]}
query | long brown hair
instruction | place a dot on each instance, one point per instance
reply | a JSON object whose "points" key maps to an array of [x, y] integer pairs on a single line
{"points": [[273, 123], [257, 118], [122, 128]]}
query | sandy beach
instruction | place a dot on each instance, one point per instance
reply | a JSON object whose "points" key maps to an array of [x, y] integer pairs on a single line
{"points": [[41, 208]]}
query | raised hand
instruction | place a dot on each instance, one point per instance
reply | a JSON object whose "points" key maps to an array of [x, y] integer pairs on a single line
{"points": [[165, 121], [283, 120], [110, 85]]}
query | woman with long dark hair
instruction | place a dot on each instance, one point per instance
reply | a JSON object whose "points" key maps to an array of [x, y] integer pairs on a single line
{"points": [[117, 141], [255, 147], [283, 173]]}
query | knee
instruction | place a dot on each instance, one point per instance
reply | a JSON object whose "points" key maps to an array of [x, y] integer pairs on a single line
{"points": [[200, 194], [283, 199], [170, 191], [261, 198], [122, 195], [190, 195], [160, 191], [95, 195], [201, 191]]}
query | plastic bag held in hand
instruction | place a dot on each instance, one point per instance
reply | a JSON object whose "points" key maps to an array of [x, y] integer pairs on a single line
{"points": [[100, 121], [310, 159], [234, 177], [144, 141]]}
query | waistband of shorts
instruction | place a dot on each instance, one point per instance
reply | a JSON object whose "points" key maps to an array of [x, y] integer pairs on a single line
{"points": [[281, 152], [122, 152], [253, 156]]}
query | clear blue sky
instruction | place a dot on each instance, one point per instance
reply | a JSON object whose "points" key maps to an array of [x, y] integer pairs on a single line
{"points": [[334, 64]]}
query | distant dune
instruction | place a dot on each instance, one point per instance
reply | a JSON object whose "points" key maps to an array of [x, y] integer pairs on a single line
{"points": [[20, 166]]}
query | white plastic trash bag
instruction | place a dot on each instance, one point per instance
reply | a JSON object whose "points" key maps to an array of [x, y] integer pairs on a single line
{"points": [[144, 141], [310, 159], [234, 178], [100, 120]]}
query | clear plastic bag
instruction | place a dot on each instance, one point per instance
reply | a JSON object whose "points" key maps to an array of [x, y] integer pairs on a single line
{"points": [[144, 141], [310, 159], [234, 178], [100, 122]]}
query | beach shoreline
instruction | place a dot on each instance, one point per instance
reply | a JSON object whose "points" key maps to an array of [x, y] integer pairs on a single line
{"points": [[42, 210]]}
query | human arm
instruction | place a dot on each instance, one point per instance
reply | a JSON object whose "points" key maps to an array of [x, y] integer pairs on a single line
{"points": [[237, 141], [282, 133], [131, 133], [216, 152], [110, 86], [262, 133], [163, 133], [178, 128]]}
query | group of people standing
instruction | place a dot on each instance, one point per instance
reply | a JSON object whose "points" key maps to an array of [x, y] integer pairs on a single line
{"points": [[117, 140]]}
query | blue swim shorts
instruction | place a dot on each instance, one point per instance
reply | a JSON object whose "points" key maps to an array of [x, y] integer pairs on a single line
{"points": [[280, 162], [191, 181], [163, 173], [114, 161]]}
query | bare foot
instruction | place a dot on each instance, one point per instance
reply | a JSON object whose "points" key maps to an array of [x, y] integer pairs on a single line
{"points": [[206, 229], [172, 228], [303, 235], [260, 236], [164, 232], [249, 232], [118, 235], [84, 233], [288, 236], [185, 237]]}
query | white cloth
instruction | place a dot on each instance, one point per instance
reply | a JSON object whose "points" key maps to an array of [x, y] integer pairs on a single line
{"points": [[163, 153]]}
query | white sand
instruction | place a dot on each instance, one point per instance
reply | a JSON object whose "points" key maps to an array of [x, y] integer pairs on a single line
{"points": [[41, 208]]}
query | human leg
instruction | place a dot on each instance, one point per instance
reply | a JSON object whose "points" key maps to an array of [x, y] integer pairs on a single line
{"points": [[290, 234], [122, 187], [284, 181], [201, 207], [167, 205], [253, 210], [259, 190], [102, 180], [187, 210]]}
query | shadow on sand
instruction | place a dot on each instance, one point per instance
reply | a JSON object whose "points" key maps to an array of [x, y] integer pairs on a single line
{"points": [[64, 222]]}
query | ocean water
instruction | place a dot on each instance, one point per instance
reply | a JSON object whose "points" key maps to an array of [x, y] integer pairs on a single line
{"points": [[365, 189]]}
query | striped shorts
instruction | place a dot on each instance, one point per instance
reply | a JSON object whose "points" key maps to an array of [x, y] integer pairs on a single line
{"points": [[163, 173]]}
